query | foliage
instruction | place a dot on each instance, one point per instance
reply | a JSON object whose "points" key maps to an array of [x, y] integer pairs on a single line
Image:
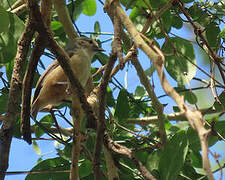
{"points": [[181, 156]]}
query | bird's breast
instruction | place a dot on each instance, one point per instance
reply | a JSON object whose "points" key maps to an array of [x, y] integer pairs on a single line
{"points": [[81, 68]]}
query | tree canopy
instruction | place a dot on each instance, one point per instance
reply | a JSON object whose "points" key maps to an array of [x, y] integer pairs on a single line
{"points": [[172, 54]]}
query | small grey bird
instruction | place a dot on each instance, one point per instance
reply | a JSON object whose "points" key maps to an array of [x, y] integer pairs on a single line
{"points": [[51, 88]]}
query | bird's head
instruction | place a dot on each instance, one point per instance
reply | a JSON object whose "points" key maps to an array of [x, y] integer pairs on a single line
{"points": [[84, 44]]}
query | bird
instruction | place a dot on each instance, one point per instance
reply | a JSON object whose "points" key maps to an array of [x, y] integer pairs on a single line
{"points": [[52, 86]]}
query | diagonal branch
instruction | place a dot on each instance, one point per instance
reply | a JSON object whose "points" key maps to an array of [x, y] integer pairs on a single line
{"points": [[13, 100], [126, 152], [158, 106], [101, 116]]}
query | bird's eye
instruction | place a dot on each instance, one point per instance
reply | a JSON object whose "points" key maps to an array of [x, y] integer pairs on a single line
{"points": [[91, 42]]}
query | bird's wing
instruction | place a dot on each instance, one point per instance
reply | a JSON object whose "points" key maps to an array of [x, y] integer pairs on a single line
{"points": [[50, 68], [39, 85]]}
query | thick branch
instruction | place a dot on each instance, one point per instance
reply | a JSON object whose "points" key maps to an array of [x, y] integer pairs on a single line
{"points": [[101, 116], [64, 18], [179, 116], [13, 100], [38, 50]]}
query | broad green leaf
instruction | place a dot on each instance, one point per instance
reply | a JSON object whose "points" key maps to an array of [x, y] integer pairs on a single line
{"points": [[140, 91], [153, 160], [196, 159], [4, 20], [89, 7], [36, 148], [138, 18], [129, 4], [54, 164], [176, 21], [122, 106], [190, 97], [85, 168], [212, 35], [173, 156], [76, 8], [199, 15], [9, 38], [55, 25], [190, 173], [193, 139], [167, 20], [176, 64], [7, 4]]}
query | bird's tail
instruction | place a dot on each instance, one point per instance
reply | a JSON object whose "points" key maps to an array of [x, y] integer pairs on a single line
{"points": [[34, 109]]}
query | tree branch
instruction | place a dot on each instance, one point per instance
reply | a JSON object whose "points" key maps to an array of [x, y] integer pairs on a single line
{"points": [[157, 57], [64, 18], [101, 115], [13, 100], [125, 152]]}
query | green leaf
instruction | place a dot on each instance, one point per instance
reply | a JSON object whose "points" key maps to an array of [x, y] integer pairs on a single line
{"points": [[109, 98], [122, 106], [138, 18], [85, 168], [54, 164], [212, 35], [103, 58], [150, 70], [190, 97], [7, 4], [76, 8], [199, 15], [173, 156], [55, 25], [217, 105], [89, 7], [47, 121], [193, 139], [153, 160], [167, 20], [176, 64], [36, 147], [9, 38], [140, 91], [97, 27], [129, 4], [190, 173], [176, 22], [222, 33], [4, 20], [66, 152], [196, 159]]}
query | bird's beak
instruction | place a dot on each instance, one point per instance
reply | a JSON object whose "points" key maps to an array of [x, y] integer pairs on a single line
{"points": [[100, 49]]}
